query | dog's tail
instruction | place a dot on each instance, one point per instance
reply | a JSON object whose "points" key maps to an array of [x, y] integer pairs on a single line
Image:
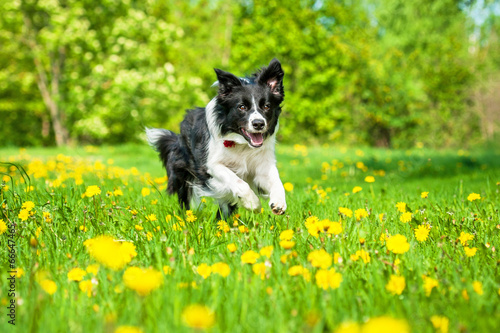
{"points": [[163, 141]]}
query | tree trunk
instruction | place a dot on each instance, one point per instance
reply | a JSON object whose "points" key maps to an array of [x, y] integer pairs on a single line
{"points": [[60, 131], [49, 94]]}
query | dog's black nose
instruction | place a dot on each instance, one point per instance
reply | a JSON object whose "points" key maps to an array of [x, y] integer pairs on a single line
{"points": [[258, 124]]}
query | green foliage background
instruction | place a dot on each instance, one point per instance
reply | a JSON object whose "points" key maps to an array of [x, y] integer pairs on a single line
{"points": [[382, 73]]}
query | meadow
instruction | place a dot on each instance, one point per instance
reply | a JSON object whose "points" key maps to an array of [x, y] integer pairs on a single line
{"points": [[373, 241]]}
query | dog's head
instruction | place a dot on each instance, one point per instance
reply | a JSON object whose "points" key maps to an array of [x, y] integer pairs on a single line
{"points": [[250, 106]]}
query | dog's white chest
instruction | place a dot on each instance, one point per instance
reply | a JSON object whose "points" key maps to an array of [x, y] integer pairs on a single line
{"points": [[240, 159], [243, 160]]}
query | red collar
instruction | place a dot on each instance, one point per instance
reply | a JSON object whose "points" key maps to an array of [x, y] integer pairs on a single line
{"points": [[229, 144]]}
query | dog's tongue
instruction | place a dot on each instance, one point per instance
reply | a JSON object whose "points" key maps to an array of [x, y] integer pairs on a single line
{"points": [[256, 138]]}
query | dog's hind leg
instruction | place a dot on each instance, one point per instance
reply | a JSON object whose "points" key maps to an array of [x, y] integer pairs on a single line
{"points": [[184, 196], [177, 184]]}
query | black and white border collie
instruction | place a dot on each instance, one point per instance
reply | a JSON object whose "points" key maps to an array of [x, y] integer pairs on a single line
{"points": [[226, 150]]}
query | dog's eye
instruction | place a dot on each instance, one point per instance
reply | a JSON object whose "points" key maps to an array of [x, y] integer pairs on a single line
{"points": [[242, 107], [267, 107]]}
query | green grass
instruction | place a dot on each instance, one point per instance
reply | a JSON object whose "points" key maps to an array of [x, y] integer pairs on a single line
{"points": [[323, 179]]}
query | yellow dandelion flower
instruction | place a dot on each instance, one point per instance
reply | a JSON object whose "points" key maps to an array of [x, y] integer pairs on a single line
{"points": [[405, 217], [360, 213], [223, 226], [470, 252], [198, 316], [311, 220], [204, 270], [357, 189], [381, 217], [117, 192], [86, 287], [369, 179], [286, 234], [93, 269], [92, 190], [365, 256], [287, 244], [221, 268], [397, 244], [76, 274], [190, 217], [109, 252], [243, 229], [260, 270], [465, 294], [249, 257], [478, 287], [296, 270], [284, 258], [266, 251], [345, 211], [440, 323], [288, 187], [167, 270], [23, 215], [232, 247], [401, 206], [465, 237], [138, 227], [3, 226], [424, 195], [386, 324], [473, 196], [383, 238], [151, 217], [143, 281], [396, 285], [320, 258], [421, 233], [47, 217], [326, 279], [145, 191], [19, 272], [48, 286], [28, 205], [334, 228], [429, 284], [314, 227]]}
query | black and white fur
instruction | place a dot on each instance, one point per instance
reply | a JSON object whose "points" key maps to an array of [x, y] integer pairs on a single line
{"points": [[226, 150]]}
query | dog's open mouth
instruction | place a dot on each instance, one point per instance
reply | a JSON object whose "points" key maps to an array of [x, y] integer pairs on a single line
{"points": [[256, 139]]}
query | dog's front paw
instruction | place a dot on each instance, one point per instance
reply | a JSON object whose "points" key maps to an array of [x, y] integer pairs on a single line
{"points": [[278, 206], [251, 202]]}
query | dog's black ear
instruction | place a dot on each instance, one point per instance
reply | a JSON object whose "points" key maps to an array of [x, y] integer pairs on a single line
{"points": [[226, 82], [272, 76]]}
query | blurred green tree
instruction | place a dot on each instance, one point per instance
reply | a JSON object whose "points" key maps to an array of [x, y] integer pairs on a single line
{"points": [[389, 73]]}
